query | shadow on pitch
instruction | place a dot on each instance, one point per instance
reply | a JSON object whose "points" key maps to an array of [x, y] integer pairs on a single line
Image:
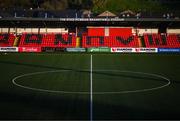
{"points": [[120, 74], [29, 105], [23, 104]]}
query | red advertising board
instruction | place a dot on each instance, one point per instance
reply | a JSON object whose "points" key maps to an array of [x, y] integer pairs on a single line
{"points": [[29, 49]]}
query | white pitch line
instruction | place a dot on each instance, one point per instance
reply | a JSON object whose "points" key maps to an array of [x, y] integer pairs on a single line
{"points": [[91, 92], [94, 93]]}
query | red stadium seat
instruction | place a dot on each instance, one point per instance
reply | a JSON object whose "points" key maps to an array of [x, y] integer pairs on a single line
{"points": [[7, 40], [47, 40], [69, 40], [110, 41], [173, 41], [162, 41]]}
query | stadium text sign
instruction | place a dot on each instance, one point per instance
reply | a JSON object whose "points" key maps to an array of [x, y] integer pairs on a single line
{"points": [[172, 50], [75, 49], [29, 49], [122, 50], [134, 50], [8, 49], [146, 50], [101, 49]]}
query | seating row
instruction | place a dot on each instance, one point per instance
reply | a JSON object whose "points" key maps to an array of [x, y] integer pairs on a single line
{"points": [[7, 40], [162, 41], [69, 40], [108, 41], [47, 40]]}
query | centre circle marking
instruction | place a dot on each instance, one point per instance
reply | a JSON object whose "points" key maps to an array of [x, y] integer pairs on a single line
{"points": [[94, 93]]}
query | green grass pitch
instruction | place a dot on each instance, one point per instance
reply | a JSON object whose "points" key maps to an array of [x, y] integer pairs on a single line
{"points": [[62, 88]]}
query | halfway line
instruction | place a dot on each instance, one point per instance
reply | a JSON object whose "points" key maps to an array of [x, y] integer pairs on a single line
{"points": [[91, 92]]}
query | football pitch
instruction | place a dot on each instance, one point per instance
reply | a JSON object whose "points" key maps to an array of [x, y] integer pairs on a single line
{"points": [[85, 86]]}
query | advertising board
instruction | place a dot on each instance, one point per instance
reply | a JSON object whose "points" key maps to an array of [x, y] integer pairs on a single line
{"points": [[8, 49], [75, 49], [133, 50], [168, 50], [101, 49], [145, 50], [29, 49], [122, 50]]}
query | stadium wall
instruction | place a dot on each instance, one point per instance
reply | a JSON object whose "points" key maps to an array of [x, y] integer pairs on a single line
{"points": [[153, 31], [4, 30], [144, 31], [33, 30], [109, 31], [119, 31], [102, 31], [173, 31]]}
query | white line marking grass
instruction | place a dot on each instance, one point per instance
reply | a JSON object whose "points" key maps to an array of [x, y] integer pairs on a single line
{"points": [[91, 91], [94, 93]]}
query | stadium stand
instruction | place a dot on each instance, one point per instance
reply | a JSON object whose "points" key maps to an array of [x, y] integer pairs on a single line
{"points": [[105, 37], [110, 37], [173, 41], [86, 41], [47, 40], [161, 41], [6, 40], [110, 41]]}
